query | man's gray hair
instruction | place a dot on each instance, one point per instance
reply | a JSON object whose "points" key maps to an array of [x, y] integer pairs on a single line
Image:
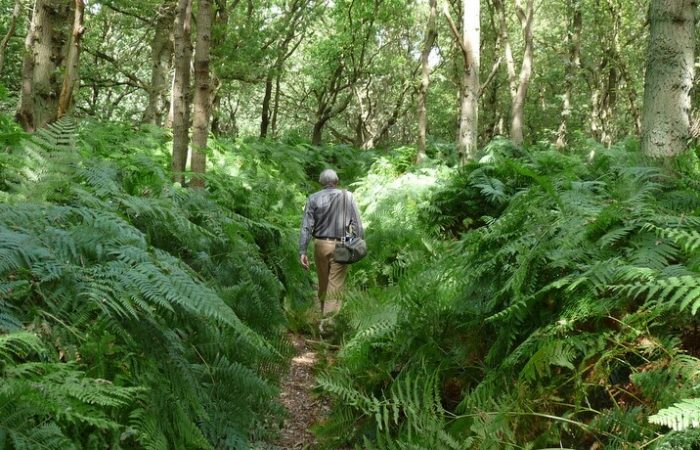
{"points": [[328, 178]]}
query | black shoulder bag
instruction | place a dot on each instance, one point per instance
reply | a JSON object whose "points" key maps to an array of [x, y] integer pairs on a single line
{"points": [[351, 248]]}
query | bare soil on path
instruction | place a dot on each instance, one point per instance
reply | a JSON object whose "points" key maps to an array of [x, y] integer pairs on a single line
{"points": [[304, 408]]}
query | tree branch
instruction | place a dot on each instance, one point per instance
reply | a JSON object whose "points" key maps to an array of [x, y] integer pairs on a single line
{"points": [[130, 14], [136, 81], [455, 33], [10, 32], [340, 136], [492, 75]]}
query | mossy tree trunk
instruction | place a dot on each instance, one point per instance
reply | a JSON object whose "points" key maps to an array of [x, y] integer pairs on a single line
{"points": [[46, 47]]}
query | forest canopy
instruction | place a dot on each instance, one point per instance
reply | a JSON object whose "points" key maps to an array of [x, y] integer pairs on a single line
{"points": [[344, 71]]}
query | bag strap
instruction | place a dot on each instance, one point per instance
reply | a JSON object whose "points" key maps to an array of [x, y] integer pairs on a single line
{"points": [[343, 230]]}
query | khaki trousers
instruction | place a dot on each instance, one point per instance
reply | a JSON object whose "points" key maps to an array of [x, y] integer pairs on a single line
{"points": [[331, 276]]}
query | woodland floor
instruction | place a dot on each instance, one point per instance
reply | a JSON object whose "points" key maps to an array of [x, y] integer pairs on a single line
{"points": [[303, 406]]}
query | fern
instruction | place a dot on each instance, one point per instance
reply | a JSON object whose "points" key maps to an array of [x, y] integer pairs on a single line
{"points": [[680, 416], [147, 300], [19, 344], [681, 291], [551, 354], [553, 314]]}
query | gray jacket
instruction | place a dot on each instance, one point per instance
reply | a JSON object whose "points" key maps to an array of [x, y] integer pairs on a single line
{"points": [[323, 217]]}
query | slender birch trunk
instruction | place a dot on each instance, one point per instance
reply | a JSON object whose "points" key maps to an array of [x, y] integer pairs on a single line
{"points": [[71, 78], [202, 100], [469, 105], [519, 82], [468, 41], [526, 16], [573, 41], [161, 61], [180, 104], [428, 42]]}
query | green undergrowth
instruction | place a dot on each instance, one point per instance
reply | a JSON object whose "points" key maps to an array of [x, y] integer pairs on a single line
{"points": [[533, 299], [137, 313]]}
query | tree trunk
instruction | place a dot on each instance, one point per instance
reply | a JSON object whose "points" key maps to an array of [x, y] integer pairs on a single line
{"points": [[274, 74], [595, 125], [215, 112], [429, 41], [276, 105], [609, 103], [611, 82], [573, 40], [507, 48], [25, 110], [71, 79], [10, 32], [180, 104], [327, 97], [363, 127], [317, 135], [221, 18], [325, 112], [519, 83], [202, 100], [518, 107], [470, 87], [383, 131], [161, 60], [46, 46], [669, 77], [631, 98], [265, 118], [216, 115]]}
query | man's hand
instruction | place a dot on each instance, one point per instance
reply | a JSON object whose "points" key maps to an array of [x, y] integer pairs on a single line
{"points": [[304, 261]]}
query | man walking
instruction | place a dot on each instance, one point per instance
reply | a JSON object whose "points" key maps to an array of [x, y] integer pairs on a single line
{"points": [[325, 219]]}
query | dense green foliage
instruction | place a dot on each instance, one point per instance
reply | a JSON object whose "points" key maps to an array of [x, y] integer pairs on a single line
{"points": [[361, 60], [529, 300], [135, 312], [526, 300], [532, 298]]}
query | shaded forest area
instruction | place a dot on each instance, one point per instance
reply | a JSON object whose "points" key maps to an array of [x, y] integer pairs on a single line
{"points": [[353, 72], [527, 174]]}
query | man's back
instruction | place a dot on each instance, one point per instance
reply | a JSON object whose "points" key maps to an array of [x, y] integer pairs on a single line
{"points": [[328, 213]]}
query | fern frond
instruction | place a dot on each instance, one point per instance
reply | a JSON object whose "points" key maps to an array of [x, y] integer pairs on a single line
{"points": [[688, 240], [680, 416], [19, 344], [681, 291], [552, 353]]}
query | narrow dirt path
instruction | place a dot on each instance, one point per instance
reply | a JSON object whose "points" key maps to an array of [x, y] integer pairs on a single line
{"points": [[303, 407]]}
